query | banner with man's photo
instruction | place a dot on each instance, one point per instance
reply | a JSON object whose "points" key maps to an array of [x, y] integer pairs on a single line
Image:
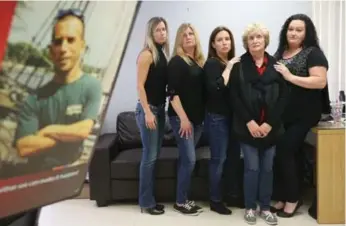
{"points": [[58, 65]]}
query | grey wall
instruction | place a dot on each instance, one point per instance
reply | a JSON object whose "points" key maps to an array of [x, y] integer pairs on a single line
{"points": [[205, 16]]}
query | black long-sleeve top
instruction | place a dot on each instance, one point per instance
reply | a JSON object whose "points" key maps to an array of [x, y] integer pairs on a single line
{"points": [[186, 81], [217, 94]]}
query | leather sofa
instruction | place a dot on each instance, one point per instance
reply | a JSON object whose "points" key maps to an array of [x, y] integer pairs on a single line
{"points": [[114, 168]]}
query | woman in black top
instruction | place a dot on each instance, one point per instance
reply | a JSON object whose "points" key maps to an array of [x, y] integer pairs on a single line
{"points": [[217, 71], [186, 108], [150, 110], [258, 97], [304, 66]]}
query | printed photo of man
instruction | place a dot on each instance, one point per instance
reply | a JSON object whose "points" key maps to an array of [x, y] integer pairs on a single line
{"points": [[55, 120]]}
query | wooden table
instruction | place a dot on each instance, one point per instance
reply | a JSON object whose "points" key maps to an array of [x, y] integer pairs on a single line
{"points": [[330, 148]]}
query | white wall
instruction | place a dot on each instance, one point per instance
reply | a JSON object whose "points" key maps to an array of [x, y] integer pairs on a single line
{"points": [[330, 21], [205, 16]]}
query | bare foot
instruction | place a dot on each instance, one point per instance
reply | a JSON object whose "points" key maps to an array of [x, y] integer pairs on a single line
{"points": [[279, 205], [289, 207]]}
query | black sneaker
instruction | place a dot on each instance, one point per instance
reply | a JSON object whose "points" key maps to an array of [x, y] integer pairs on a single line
{"points": [[159, 207], [186, 209], [196, 207]]}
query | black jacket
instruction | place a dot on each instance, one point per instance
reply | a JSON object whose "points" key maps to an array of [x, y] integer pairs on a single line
{"points": [[250, 93]]}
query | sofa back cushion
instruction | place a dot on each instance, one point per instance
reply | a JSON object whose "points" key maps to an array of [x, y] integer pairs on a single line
{"points": [[129, 136]]}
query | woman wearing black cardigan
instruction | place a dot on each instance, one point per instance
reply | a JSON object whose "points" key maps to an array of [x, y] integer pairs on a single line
{"points": [[258, 95]]}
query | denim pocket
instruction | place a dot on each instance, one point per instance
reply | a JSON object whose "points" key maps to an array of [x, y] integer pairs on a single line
{"points": [[138, 108], [216, 118]]}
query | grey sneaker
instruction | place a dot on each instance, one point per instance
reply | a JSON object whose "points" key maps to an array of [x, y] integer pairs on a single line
{"points": [[269, 218], [250, 216]]}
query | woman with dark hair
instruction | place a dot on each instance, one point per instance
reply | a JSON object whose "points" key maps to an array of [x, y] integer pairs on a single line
{"points": [[217, 71], [304, 66]]}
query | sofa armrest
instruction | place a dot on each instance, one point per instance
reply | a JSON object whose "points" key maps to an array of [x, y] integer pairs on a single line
{"points": [[99, 169]]}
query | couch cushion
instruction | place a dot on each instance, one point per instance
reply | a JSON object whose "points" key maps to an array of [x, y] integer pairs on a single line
{"points": [[128, 132], [126, 164], [129, 136]]}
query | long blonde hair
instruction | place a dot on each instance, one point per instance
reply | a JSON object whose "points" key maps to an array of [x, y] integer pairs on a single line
{"points": [[178, 46], [149, 42]]}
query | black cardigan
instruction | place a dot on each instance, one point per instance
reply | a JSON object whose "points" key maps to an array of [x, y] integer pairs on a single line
{"points": [[251, 92]]}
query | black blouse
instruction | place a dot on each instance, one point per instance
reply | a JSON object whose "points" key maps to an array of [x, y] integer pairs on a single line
{"points": [[304, 104], [217, 94], [186, 81], [156, 83]]}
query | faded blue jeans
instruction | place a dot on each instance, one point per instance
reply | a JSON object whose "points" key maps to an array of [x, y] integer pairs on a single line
{"points": [[258, 176], [187, 157], [151, 141], [218, 133]]}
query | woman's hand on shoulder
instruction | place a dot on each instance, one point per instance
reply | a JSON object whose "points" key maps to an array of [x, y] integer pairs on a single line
{"points": [[282, 69], [231, 62]]}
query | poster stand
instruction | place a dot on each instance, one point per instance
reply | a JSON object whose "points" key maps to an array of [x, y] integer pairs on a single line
{"points": [[29, 218]]}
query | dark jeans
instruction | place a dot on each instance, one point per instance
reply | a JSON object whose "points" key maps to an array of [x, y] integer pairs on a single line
{"points": [[151, 141], [233, 169], [187, 157], [288, 160], [218, 133], [258, 176]]}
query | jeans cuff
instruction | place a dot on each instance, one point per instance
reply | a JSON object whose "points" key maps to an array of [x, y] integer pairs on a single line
{"points": [[147, 207]]}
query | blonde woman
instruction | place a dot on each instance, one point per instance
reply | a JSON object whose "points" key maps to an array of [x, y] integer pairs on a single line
{"points": [[150, 110], [186, 108], [258, 94]]}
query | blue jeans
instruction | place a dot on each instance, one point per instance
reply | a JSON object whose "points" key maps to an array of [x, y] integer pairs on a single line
{"points": [[187, 157], [258, 176], [151, 141], [218, 133]]}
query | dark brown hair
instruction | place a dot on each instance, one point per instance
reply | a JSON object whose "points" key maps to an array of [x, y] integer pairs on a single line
{"points": [[311, 38], [212, 51]]}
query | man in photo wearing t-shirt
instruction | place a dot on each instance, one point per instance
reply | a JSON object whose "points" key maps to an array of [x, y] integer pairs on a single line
{"points": [[55, 120]]}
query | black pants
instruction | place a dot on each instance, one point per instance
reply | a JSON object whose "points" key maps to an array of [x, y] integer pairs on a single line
{"points": [[233, 172], [288, 162]]}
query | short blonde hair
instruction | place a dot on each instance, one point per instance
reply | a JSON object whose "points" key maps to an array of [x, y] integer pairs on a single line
{"points": [[253, 28]]}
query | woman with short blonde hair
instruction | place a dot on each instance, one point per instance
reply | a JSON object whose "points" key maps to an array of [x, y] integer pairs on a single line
{"points": [[186, 108], [258, 95]]}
